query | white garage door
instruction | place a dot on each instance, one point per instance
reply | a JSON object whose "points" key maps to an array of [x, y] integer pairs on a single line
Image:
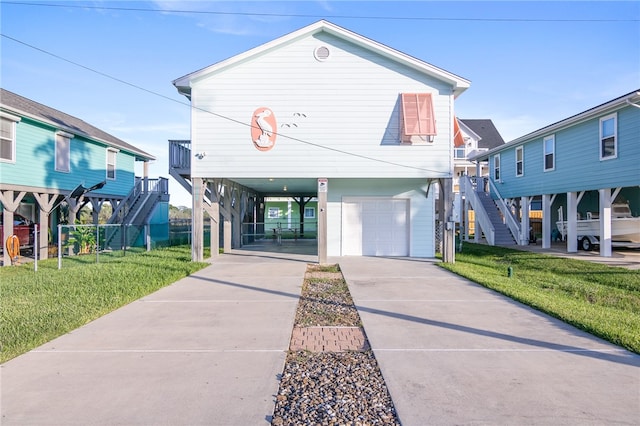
{"points": [[375, 227]]}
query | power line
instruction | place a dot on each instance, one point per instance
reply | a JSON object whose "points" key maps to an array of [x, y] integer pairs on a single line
{"points": [[135, 86], [295, 15]]}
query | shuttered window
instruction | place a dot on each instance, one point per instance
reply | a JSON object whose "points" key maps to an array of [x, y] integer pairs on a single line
{"points": [[63, 152], [417, 116]]}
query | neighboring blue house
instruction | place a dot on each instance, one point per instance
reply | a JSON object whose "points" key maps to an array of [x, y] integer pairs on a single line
{"points": [[585, 166], [46, 154]]}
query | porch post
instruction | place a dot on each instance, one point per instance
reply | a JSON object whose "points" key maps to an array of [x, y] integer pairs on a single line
{"points": [[605, 222], [448, 246], [546, 221], [46, 203], [214, 239], [197, 254], [572, 222], [322, 220], [524, 221]]}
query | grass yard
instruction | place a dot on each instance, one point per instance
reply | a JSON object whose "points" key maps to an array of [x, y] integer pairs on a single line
{"points": [[600, 299], [37, 307]]}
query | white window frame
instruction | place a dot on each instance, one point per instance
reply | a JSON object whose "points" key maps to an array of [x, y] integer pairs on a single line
{"points": [[460, 150], [551, 138], [273, 213], [496, 168], [602, 137], [11, 139], [113, 165], [313, 212], [520, 149], [58, 161]]}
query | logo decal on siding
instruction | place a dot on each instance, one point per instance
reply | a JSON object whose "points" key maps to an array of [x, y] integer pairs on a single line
{"points": [[263, 125]]}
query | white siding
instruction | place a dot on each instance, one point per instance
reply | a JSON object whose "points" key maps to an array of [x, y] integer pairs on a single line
{"points": [[351, 103]]}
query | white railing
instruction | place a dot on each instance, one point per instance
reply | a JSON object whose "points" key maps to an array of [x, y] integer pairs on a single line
{"points": [[480, 213], [510, 221]]}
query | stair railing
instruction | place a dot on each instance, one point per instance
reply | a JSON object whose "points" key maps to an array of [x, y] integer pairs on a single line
{"points": [[481, 216], [510, 221]]}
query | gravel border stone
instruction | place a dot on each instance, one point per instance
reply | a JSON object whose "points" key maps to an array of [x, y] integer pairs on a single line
{"points": [[330, 387]]}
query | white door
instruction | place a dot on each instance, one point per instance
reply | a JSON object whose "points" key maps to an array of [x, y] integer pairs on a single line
{"points": [[375, 227]]}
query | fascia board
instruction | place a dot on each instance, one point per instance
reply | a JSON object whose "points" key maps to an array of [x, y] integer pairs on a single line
{"points": [[137, 152], [459, 84], [602, 109]]}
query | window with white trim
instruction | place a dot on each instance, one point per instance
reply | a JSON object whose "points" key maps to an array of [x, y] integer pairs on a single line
{"points": [[111, 163], [460, 153], [520, 161], [309, 213], [609, 137], [496, 168], [63, 152], [8, 139], [549, 146], [274, 213]]}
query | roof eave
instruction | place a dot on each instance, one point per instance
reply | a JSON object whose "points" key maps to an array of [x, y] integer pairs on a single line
{"points": [[620, 102], [139, 154], [459, 84]]}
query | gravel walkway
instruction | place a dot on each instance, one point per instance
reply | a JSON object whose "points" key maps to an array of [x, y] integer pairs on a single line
{"points": [[335, 386]]}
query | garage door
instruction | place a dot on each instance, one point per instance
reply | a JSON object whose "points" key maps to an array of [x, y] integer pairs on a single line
{"points": [[375, 227]]}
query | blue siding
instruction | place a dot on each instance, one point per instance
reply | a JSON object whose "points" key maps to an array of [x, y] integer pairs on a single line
{"points": [[577, 160], [35, 162]]}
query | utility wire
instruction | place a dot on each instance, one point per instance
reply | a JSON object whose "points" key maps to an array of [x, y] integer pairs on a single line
{"points": [[295, 15], [135, 86]]}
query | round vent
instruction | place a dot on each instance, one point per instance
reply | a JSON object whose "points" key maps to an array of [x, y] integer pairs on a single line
{"points": [[321, 53]]}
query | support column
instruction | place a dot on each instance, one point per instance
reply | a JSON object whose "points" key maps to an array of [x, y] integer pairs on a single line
{"points": [[524, 221], [572, 222], [197, 252], [10, 202], [546, 221], [323, 187], [214, 239], [448, 234], [46, 203], [605, 222]]}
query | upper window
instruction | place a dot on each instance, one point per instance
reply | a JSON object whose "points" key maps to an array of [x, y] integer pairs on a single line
{"points": [[417, 117], [63, 152], [460, 153], [549, 152], [496, 168], [111, 163], [608, 137], [520, 161], [309, 213], [8, 138]]}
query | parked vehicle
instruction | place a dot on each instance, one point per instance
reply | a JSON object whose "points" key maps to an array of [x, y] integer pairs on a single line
{"points": [[625, 228], [22, 228]]}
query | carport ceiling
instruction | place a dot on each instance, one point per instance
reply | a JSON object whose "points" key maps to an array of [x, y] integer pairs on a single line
{"points": [[281, 187]]}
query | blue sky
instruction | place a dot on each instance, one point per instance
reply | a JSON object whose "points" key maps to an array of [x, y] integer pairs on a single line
{"points": [[530, 63]]}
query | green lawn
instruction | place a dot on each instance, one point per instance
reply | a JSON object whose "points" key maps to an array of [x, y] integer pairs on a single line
{"points": [[600, 299], [37, 307]]}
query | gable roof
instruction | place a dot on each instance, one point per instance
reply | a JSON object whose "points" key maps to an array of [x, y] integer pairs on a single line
{"points": [[459, 84], [485, 129], [20, 105]]}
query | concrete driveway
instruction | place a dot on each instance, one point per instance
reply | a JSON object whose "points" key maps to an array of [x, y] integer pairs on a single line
{"points": [[453, 352]]}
